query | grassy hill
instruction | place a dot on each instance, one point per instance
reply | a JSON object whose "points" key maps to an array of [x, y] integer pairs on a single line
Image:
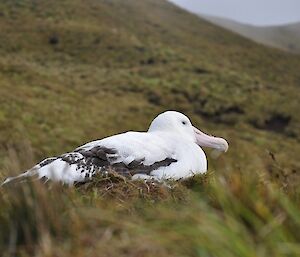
{"points": [[73, 71], [286, 37]]}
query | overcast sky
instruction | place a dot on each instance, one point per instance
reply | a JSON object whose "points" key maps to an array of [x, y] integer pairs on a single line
{"points": [[257, 12]]}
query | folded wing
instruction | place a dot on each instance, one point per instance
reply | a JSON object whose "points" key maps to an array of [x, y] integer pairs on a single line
{"points": [[128, 154]]}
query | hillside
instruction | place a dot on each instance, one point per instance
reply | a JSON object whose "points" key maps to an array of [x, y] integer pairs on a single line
{"points": [[72, 71], [286, 37]]}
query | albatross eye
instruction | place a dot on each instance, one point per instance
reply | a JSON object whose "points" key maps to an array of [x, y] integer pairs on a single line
{"points": [[183, 122]]}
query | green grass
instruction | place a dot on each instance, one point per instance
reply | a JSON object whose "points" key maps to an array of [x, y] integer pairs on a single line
{"points": [[216, 215], [75, 71]]}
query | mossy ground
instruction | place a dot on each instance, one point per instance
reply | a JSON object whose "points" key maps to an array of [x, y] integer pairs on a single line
{"points": [[75, 71]]}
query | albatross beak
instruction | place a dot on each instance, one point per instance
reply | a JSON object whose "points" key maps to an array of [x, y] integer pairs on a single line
{"points": [[209, 141]]}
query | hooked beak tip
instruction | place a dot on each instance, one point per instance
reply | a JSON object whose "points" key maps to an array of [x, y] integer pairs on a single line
{"points": [[222, 145], [225, 146]]}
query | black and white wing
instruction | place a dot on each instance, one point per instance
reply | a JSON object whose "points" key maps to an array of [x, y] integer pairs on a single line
{"points": [[128, 154]]}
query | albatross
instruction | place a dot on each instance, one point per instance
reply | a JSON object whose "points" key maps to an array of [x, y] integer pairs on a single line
{"points": [[170, 149]]}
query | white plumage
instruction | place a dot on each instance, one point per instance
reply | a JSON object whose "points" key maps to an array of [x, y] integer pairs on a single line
{"points": [[170, 149]]}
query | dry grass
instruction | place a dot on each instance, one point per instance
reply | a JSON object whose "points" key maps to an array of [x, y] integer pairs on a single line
{"points": [[211, 215], [222, 213]]}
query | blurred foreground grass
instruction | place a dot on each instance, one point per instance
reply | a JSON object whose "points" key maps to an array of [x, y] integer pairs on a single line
{"points": [[217, 214]]}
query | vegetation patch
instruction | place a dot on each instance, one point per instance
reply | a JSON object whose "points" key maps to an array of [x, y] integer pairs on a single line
{"points": [[142, 218]]}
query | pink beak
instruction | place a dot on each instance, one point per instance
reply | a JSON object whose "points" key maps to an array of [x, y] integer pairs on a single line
{"points": [[209, 141]]}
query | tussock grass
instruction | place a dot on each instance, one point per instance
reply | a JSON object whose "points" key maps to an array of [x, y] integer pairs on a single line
{"points": [[210, 215], [116, 186]]}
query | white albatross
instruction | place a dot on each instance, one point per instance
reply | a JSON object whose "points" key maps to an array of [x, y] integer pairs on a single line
{"points": [[170, 149]]}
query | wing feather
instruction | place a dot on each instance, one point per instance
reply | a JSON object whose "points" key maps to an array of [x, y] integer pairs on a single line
{"points": [[128, 154]]}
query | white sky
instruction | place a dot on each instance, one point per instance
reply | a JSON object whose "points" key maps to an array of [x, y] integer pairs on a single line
{"points": [[256, 12]]}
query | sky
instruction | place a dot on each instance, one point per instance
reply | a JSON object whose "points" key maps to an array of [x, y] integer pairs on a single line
{"points": [[255, 12]]}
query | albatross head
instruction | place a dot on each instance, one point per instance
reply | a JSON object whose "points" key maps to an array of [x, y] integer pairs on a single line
{"points": [[176, 122]]}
